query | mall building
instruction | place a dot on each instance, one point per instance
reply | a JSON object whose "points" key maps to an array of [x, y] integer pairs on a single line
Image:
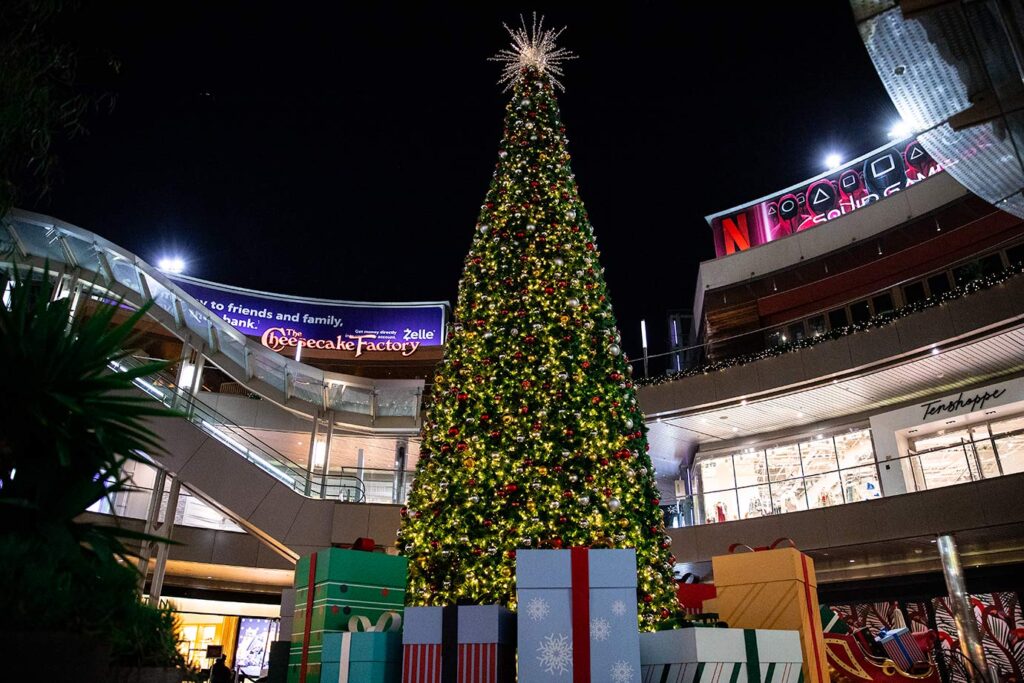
{"points": [[854, 382]]}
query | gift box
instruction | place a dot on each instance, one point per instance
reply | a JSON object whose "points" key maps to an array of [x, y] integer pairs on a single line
{"points": [[902, 648], [831, 622], [691, 593], [465, 644], [721, 654], [577, 616], [365, 653], [332, 586], [772, 588]]}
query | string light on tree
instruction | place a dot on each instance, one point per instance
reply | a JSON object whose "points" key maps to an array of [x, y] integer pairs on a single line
{"points": [[533, 437]]}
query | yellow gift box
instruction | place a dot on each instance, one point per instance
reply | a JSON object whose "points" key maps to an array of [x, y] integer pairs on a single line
{"points": [[772, 588]]}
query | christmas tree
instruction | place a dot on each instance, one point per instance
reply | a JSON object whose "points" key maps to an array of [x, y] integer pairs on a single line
{"points": [[533, 437]]}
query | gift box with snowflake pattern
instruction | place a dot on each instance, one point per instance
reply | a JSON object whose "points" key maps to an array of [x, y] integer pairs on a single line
{"points": [[577, 614]]}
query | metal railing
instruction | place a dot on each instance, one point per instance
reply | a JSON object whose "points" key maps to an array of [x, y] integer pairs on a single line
{"points": [[90, 262], [689, 510], [294, 475]]}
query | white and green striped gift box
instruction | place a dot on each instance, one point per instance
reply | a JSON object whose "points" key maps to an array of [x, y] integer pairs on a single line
{"points": [[721, 655]]}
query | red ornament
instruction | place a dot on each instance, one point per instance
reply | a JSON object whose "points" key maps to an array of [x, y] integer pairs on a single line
{"points": [[526, 384], [556, 543], [595, 400], [463, 396], [567, 494], [589, 478], [664, 613], [648, 598], [511, 488], [655, 501], [453, 431], [586, 364], [569, 432]]}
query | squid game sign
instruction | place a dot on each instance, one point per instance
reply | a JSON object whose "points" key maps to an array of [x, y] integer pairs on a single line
{"points": [[856, 184]]}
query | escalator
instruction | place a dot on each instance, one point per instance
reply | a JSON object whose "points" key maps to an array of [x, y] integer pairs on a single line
{"points": [[279, 501]]}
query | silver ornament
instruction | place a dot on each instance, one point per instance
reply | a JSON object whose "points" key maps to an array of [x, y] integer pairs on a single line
{"points": [[573, 302], [584, 500], [614, 349], [484, 228], [571, 214], [558, 261], [614, 504], [629, 424], [525, 102]]}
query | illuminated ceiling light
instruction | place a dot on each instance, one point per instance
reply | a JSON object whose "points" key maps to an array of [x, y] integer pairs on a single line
{"points": [[935, 351], [833, 161], [735, 429], [900, 130], [171, 264]]}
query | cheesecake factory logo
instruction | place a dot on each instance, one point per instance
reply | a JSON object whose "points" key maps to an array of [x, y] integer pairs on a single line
{"points": [[281, 338]]}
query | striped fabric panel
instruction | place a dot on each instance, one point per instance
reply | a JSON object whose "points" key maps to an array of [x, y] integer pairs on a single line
{"points": [[478, 663], [421, 663]]}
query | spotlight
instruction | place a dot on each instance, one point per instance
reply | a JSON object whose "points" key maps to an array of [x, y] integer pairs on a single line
{"points": [[833, 161], [900, 130], [171, 264]]}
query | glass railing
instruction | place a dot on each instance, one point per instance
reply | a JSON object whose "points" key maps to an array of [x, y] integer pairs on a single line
{"points": [[32, 239], [237, 439], [960, 463]]}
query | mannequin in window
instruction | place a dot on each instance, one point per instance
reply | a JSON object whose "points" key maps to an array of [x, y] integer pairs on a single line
{"points": [[720, 511]]}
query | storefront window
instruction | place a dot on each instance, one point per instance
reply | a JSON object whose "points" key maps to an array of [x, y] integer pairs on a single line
{"points": [[818, 456], [860, 483], [751, 468], [720, 507], [784, 463], [788, 496], [788, 477], [854, 448], [943, 467], [754, 501], [1011, 453], [715, 474], [823, 490]]}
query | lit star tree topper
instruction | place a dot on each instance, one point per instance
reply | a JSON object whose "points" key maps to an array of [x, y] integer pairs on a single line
{"points": [[533, 437]]}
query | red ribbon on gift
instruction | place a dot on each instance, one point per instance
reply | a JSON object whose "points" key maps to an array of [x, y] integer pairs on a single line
{"points": [[774, 544], [580, 561]]}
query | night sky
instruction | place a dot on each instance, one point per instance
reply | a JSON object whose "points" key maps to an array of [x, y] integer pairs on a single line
{"points": [[344, 152]]}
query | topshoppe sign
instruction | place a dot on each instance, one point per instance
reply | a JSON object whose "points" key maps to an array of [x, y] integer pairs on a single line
{"points": [[856, 184], [284, 323]]}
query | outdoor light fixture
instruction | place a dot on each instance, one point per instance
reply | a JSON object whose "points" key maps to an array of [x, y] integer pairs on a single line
{"points": [[833, 161], [900, 130], [171, 264]]}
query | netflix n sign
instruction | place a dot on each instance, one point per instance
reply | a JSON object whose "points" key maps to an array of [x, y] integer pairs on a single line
{"points": [[863, 181]]}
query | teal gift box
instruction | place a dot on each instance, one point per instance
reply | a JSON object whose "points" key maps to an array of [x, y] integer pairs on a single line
{"points": [[372, 658]]}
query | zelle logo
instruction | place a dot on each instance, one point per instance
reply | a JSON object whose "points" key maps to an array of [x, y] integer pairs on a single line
{"points": [[976, 402]]}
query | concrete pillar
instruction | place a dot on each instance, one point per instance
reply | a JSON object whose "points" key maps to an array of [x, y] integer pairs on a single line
{"points": [[163, 550], [327, 453], [360, 462], [963, 613], [312, 449], [152, 524], [401, 460]]}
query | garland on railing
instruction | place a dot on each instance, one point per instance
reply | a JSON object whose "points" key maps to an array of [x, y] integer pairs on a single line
{"points": [[880, 320]]}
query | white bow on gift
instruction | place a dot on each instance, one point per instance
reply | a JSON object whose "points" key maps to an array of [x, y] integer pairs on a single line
{"points": [[388, 621]]}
